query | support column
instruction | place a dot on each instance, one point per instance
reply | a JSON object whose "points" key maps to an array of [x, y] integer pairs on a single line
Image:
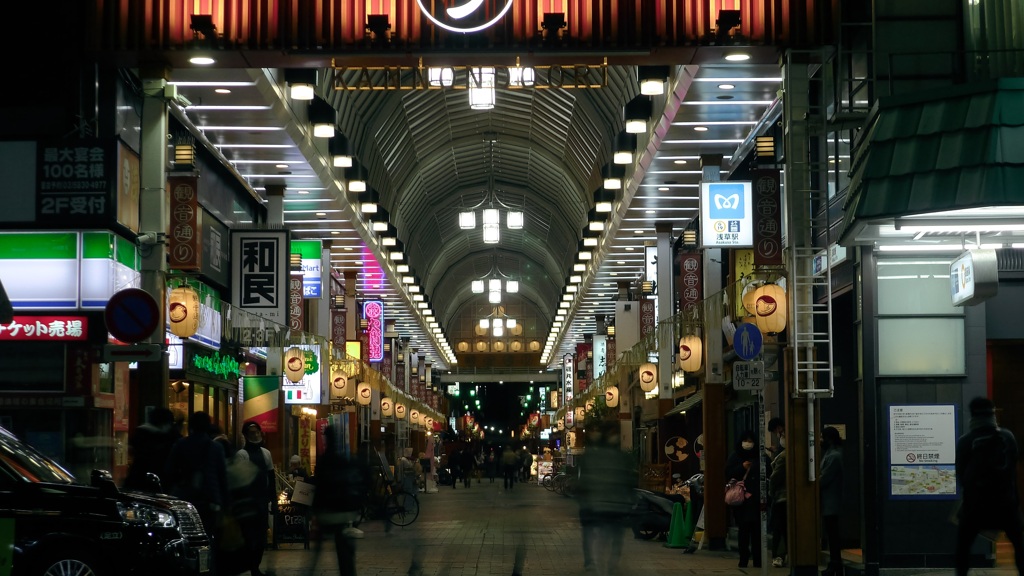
{"points": [[275, 218], [351, 315], [666, 334], [801, 450], [715, 446], [153, 376]]}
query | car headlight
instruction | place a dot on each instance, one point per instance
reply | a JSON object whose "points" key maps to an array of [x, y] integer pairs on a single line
{"points": [[146, 515]]}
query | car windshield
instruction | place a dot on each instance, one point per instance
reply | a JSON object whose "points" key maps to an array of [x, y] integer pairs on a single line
{"points": [[23, 461]]}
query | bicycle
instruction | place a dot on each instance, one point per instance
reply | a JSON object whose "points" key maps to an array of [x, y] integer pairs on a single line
{"points": [[389, 501]]}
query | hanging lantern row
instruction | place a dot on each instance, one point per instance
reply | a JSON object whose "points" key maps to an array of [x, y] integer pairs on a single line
{"points": [[183, 311], [770, 313], [611, 396], [294, 364], [387, 407], [691, 351], [648, 374]]}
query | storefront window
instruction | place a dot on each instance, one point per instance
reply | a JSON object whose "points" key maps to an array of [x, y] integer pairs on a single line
{"points": [[920, 332]]}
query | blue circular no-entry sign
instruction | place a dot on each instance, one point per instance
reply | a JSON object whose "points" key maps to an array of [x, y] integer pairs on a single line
{"points": [[131, 315], [747, 341]]}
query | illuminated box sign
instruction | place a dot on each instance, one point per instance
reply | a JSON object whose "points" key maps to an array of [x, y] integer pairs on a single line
{"points": [[974, 277], [260, 282], [309, 389], [373, 311], [726, 215], [46, 328], [312, 257]]}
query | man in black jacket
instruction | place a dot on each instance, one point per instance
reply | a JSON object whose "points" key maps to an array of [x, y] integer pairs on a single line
{"points": [[986, 469]]}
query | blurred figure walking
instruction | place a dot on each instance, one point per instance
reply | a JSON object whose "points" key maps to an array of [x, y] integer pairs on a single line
{"points": [[148, 448], [259, 497], [342, 485], [605, 495]]}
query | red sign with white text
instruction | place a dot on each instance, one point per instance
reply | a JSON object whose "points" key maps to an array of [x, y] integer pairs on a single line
{"points": [[46, 328]]}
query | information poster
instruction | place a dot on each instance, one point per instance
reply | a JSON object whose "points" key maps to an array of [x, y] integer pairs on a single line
{"points": [[922, 451]]}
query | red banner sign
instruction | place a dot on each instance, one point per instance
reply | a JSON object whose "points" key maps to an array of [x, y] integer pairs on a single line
{"points": [[48, 328], [767, 218], [691, 281]]}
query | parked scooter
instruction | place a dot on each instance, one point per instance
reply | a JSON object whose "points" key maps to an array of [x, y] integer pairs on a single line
{"points": [[652, 511]]}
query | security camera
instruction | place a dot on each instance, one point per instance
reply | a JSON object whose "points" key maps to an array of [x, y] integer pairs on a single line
{"points": [[147, 238]]}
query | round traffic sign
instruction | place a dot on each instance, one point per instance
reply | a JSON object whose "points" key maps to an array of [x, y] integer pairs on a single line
{"points": [[747, 341], [131, 315]]}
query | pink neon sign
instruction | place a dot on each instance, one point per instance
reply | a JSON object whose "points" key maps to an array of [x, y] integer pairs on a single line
{"points": [[373, 311]]}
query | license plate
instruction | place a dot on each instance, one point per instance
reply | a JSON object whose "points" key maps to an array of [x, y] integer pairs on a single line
{"points": [[204, 560]]}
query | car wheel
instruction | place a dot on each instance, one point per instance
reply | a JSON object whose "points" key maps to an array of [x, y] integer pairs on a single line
{"points": [[70, 567]]}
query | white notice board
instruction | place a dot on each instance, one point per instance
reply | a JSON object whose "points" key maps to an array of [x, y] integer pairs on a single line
{"points": [[922, 451]]}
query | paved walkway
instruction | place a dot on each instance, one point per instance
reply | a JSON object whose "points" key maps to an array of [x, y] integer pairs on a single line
{"points": [[477, 532]]}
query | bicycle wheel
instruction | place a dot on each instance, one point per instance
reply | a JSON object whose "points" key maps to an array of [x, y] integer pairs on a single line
{"points": [[402, 508], [547, 482]]}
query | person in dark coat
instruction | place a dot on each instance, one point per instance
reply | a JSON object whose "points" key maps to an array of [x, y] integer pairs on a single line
{"points": [[148, 448], [491, 464], [342, 486], [831, 483], [605, 495], [986, 469], [253, 512], [745, 462], [196, 472], [468, 464]]}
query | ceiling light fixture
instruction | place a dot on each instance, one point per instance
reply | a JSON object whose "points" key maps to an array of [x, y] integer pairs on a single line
{"points": [[636, 113], [301, 83], [737, 57], [323, 117], [481, 83], [356, 177], [652, 79], [340, 150], [491, 216], [613, 174], [625, 147], [519, 76]]}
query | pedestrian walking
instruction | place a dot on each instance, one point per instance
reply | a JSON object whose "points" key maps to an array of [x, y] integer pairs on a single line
{"points": [[605, 496], [342, 486], [259, 497], [491, 464], [509, 466], [831, 483], [148, 448], [468, 465], [778, 494], [744, 462], [986, 469]]}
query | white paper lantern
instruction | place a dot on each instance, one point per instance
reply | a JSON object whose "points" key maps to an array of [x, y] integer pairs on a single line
{"points": [[691, 351], [414, 416], [770, 312], [364, 394], [183, 311], [589, 405], [294, 364], [387, 407], [339, 385], [400, 411], [561, 424], [581, 413], [648, 376], [611, 396]]}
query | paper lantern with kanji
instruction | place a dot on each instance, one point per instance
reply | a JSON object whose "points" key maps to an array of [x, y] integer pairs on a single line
{"points": [[748, 298], [611, 396], [183, 311], [691, 351], [387, 407], [648, 376], [581, 413], [560, 425], [339, 385], [294, 364], [400, 411], [414, 416], [770, 309], [363, 394], [589, 405]]}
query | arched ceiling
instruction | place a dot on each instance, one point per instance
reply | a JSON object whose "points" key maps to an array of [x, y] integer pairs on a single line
{"points": [[430, 156]]}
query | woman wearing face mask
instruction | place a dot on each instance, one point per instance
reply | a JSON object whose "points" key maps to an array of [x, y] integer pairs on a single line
{"points": [[745, 462]]}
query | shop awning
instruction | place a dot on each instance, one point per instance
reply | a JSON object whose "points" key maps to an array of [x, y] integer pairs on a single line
{"points": [[956, 148], [690, 402]]}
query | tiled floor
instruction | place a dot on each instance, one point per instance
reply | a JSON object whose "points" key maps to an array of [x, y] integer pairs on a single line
{"points": [[477, 532]]}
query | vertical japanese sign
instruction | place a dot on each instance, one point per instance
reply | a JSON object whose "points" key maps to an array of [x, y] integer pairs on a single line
{"points": [[568, 381], [373, 311], [691, 280], [600, 355], [767, 218], [338, 326], [296, 316], [183, 238], [74, 182], [648, 317], [260, 281]]}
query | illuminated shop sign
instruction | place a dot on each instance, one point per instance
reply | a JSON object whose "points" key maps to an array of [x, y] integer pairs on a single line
{"points": [[309, 389], [312, 257], [46, 328], [726, 215], [566, 76], [373, 311], [464, 17]]}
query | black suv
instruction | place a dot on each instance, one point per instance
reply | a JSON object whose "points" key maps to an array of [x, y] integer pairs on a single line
{"points": [[52, 525]]}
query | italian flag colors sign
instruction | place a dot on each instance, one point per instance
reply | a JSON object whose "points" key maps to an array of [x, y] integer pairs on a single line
{"points": [[260, 400]]}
